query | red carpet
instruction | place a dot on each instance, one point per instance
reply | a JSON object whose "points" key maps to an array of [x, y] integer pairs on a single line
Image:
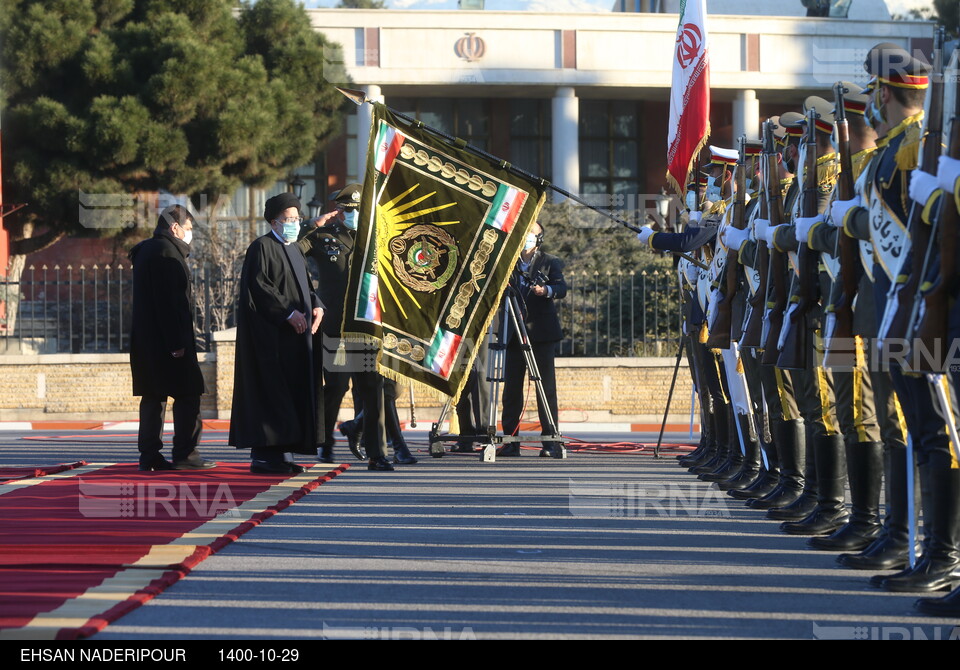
{"points": [[85, 544]]}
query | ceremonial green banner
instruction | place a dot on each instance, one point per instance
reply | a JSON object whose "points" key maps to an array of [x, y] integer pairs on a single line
{"points": [[439, 233]]}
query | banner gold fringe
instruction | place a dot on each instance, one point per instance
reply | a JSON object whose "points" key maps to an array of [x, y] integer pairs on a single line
{"points": [[681, 190]]}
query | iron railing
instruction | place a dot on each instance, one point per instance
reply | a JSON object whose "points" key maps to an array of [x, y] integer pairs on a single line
{"points": [[88, 310]]}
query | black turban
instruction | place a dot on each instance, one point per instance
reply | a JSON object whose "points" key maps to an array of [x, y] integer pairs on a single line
{"points": [[278, 203]]}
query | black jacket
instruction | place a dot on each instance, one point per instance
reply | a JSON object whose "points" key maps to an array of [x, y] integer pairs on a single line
{"points": [[540, 312], [163, 320]]}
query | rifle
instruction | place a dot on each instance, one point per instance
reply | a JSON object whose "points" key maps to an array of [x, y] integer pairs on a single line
{"points": [[720, 331], [931, 333], [795, 336], [777, 269], [838, 330], [902, 304], [753, 330]]}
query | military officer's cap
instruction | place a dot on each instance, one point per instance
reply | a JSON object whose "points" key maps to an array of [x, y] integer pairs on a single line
{"points": [[891, 64], [348, 197], [722, 157], [792, 123], [854, 102], [824, 112]]}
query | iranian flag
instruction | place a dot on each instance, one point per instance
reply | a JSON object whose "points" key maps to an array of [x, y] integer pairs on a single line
{"points": [[368, 302], [505, 208], [389, 141], [689, 94], [443, 351]]}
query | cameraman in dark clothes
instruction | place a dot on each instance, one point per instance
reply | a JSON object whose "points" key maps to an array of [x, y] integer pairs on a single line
{"points": [[537, 282]]}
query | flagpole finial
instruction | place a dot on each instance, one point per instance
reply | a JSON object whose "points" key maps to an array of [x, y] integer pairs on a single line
{"points": [[355, 96]]}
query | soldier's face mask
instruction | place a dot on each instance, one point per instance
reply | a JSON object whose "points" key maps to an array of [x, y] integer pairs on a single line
{"points": [[350, 219], [713, 189], [835, 140], [874, 114], [691, 200]]}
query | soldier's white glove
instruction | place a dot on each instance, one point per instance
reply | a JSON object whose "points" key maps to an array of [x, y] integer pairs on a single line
{"points": [[803, 226], [770, 234], [839, 209], [696, 217], [733, 238], [760, 228], [645, 234], [922, 186], [948, 171], [691, 272]]}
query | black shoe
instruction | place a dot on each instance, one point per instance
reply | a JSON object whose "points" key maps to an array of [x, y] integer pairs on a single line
{"points": [[799, 510], [156, 463], [509, 450], [929, 575], [761, 487], [852, 537], [885, 553], [354, 432], [259, 467], [818, 522], [379, 465], [325, 453], [402, 455], [193, 462], [946, 607]]}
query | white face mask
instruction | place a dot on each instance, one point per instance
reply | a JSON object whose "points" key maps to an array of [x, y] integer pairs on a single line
{"points": [[530, 242], [691, 200], [713, 189], [188, 236]]}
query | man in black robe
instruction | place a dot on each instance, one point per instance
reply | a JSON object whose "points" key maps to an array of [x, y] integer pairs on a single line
{"points": [[275, 405], [163, 351]]}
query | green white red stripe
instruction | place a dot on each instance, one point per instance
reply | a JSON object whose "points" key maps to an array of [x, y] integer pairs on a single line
{"points": [[389, 141], [443, 351], [368, 304], [506, 207]]}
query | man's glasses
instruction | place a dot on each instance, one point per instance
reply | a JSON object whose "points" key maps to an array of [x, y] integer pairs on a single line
{"points": [[297, 220]]}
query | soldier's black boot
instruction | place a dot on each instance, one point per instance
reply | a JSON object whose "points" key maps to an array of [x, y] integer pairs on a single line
{"points": [[731, 465], [788, 438], [721, 443], [890, 551], [769, 476], [686, 460], [806, 502], [707, 448], [946, 607], [865, 473], [830, 513], [749, 470], [939, 568]]}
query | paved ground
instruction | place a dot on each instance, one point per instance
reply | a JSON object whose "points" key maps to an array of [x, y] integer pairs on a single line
{"points": [[600, 545]]}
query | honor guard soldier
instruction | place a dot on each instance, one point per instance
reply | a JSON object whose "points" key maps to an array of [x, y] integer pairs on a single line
{"points": [[895, 108]]}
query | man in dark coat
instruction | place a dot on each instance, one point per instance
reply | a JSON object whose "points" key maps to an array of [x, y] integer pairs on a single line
{"points": [[331, 244], [163, 352], [537, 282], [275, 405]]}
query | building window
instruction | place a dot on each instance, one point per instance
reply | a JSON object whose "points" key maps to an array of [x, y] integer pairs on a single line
{"points": [[466, 118], [530, 136], [609, 147]]}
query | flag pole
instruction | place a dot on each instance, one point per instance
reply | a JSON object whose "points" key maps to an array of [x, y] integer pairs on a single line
{"points": [[360, 97]]}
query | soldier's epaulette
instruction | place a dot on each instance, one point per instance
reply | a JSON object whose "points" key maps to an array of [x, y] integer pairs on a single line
{"points": [[718, 207], [908, 152], [828, 169], [860, 160]]}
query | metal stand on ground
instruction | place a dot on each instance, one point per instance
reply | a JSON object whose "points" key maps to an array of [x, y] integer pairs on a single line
{"points": [[663, 426], [509, 321]]}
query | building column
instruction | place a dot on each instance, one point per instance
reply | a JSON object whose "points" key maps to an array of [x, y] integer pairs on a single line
{"points": [[566, 141], [364, 118], [746, 115]]}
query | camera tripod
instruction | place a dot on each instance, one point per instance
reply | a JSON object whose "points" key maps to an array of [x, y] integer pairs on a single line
{"points": [[509, 320]]}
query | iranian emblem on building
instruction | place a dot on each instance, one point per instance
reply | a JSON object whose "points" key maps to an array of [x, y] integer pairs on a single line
{"points": [[470, 47]]}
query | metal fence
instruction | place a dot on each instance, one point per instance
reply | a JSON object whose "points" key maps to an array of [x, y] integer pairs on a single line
{"points": [[88, 310]]}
